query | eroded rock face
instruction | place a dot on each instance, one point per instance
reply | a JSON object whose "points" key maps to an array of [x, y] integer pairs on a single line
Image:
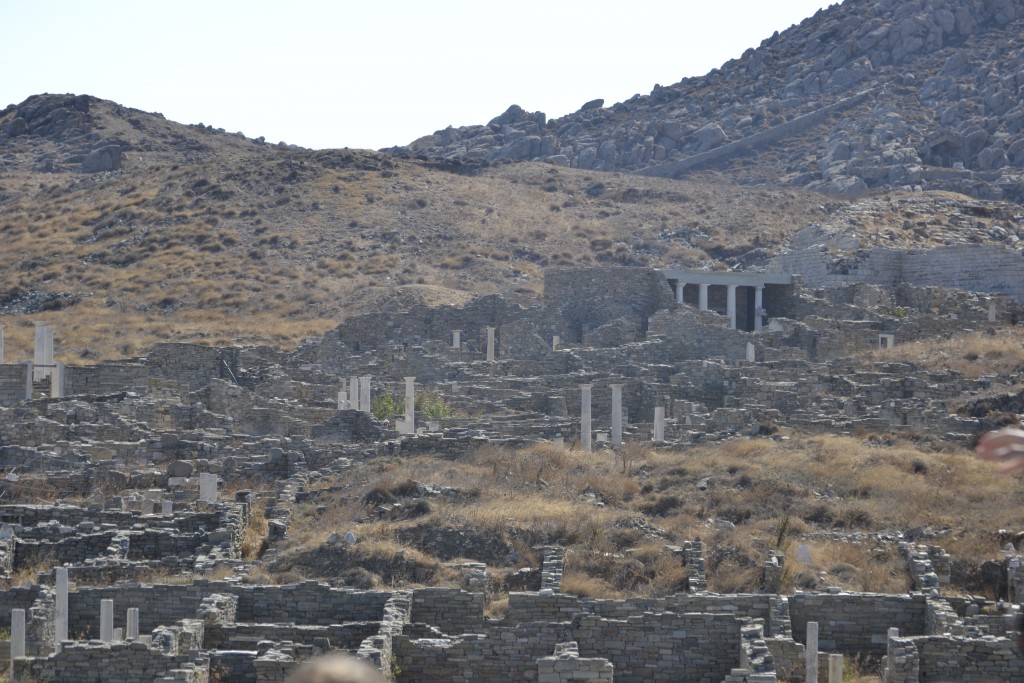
{"points": [[944, 109]]}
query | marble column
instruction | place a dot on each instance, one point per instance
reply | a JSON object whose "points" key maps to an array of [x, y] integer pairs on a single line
{"points": [[353, 394], [48, 350], [679, 291], [342, 399], [616, 415], [490, 344], [702, 302], [410, 405], [659, 423], [365, 400], [758, 307], [30, 377], [107, 621], [17, 636], [39, 351], [555, 341], [835, 669], [132, 624], [60, 633], [811, 653], [456, 339], [585, 427], [1, 344], [730, 306], [57, 381], [992, 314]]}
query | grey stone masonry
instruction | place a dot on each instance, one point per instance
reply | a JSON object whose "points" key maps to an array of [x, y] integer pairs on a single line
{"points": [[566, 665], [551, 568]]}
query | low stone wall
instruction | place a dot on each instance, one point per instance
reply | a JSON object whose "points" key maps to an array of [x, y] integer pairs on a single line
{"points": [[451, 611], [99, 663]]}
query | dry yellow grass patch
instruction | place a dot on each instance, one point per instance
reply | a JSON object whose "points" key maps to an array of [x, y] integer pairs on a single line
{"points": [[973, 354]]}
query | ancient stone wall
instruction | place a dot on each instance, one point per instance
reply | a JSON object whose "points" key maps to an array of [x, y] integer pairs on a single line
{"points": [[849, 623], [591, 297]]}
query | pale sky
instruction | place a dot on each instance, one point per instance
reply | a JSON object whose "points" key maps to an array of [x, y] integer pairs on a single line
{"points": [[369, 74]]}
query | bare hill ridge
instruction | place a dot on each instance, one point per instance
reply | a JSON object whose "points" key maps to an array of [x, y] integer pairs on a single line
{"points": [[870, 94]]}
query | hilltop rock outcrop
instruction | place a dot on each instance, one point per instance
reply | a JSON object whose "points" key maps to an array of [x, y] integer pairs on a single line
{"points": [[943, 108]]}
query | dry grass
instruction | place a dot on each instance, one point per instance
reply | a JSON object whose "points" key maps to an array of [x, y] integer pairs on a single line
{"points": [[973, 354], [552, 494]]}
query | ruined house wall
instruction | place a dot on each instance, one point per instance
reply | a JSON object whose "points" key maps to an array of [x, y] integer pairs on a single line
{"points": [[105, 378], [590, 297], [973, 267], [857, 623]]}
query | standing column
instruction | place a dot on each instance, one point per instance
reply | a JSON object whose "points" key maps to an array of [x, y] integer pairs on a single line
{"points": [[616, 415], [107, 621], [835, 669], [585, 417], [342, 399], [132, 624], [811, 653], [60, 633], [364, 393], [39, 350], [659, 423], [353, 394], [702, 302], [490, 344], [456, 339], [758, 307], [679, 291], [555, 341], [730, 306], [48, 350], [17, 636], [1, 344], [57, 382], [30, 376], [410, 405], [993, 315]]}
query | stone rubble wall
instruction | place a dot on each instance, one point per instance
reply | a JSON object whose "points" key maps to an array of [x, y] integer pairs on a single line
{"points": [[975, 268], [850, 623]]}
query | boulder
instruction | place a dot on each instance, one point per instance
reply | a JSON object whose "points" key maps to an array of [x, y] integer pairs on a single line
{"points": [[107, 158], [180, 468]]}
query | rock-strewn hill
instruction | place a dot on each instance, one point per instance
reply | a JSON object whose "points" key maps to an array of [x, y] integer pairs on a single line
{"points": [[867, 94]]}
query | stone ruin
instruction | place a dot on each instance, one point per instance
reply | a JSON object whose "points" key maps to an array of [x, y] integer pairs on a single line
{"points": [[610, 356]]}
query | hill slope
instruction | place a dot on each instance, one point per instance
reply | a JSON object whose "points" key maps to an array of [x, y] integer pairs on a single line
{"points": [[867, 94]]}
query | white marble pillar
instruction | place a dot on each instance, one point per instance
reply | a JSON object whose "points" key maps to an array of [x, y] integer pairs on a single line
{"points": [[17, 636], [208, 487], [342, 399], [616, 415], [679, 291], [992, 317], [48, 350], [555, 341], [30, 377], [456, 339], [39, 350], [758, 307], [730, 306], [702, 302], [107, 621], [751, 352], [132, 624], [60, 632], [1, 344], [490, 344], [364, 394], [811, 653], [835, 669], [353, 394], [893, 632], [659, 423], [585, 428], [57, 382], [410, 405]]}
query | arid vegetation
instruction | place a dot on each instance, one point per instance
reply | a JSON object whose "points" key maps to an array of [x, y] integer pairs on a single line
{"points": [[835, 494]]}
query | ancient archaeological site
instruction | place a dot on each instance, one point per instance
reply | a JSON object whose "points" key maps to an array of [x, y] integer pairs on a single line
{"points": [[683, 389], [644, 475]]}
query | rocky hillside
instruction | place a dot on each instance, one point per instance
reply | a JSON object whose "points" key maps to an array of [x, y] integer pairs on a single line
{"points": [[870, 94]]}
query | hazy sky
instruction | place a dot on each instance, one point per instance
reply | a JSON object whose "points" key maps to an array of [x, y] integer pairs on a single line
{"points": [[369, 74]]}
